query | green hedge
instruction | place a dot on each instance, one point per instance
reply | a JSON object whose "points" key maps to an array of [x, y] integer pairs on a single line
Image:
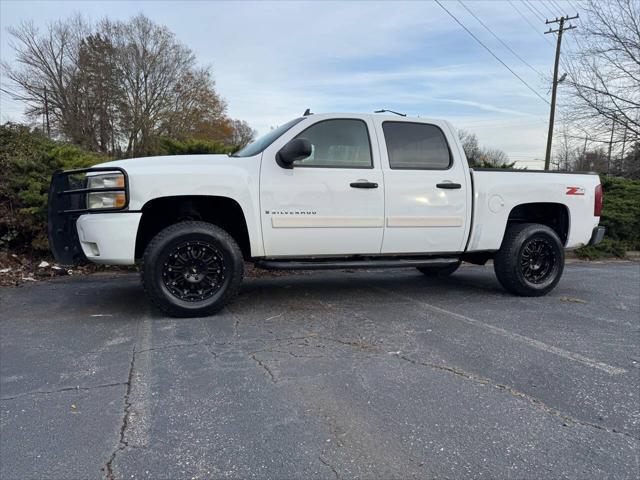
{"points": [[620, 216], [27, 160], [170, 146]]}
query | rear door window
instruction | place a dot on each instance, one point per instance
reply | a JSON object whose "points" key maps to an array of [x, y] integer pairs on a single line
{"points": [[416, 146]]}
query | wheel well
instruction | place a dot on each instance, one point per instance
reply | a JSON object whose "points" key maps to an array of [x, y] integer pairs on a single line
{"points": [[554, 215], [224, 212]]}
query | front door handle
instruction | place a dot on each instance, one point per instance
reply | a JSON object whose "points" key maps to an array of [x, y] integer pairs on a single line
{"points": [[449, 185], [363, 184]]}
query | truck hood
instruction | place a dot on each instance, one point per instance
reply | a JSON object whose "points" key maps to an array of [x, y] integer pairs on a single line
{"points": [[169, 176], [187, 161]]}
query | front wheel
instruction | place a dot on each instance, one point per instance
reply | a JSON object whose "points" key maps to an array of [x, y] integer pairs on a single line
{"points": [[192, 269], [530, 261]]}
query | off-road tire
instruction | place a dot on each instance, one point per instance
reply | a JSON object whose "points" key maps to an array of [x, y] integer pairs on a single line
{"points": [[439, 272], [162, 249], [514, 271]]}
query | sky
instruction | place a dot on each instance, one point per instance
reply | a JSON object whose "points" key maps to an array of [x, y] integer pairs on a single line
{"points": [[272, 60]]}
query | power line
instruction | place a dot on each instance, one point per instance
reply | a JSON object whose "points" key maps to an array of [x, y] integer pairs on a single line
{"points": [[536, 5], [557, 5], [565, 7], [572, 6], [491, 52], [530, 24], [554, 7], [536, 12], [499, 39], [549, 9]]}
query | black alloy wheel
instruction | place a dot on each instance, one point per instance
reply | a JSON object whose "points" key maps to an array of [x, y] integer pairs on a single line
{"points": [[192, 269], [530, 261], [537, 260]]}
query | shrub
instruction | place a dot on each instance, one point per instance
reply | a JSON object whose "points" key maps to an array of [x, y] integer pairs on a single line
{"points": [[27, 160], [170, 146], [620, 216]]}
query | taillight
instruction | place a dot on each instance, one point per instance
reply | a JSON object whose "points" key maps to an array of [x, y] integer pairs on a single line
{"points": [[597, 205]]}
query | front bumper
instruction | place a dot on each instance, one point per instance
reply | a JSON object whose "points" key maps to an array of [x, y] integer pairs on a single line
{"points": [[109, 238], [67, 205], [597, 235]]}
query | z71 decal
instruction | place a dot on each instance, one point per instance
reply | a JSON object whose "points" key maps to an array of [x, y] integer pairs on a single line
{"points": [[575, 191]]}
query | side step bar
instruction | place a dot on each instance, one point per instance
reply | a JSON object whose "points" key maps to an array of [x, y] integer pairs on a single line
{"points": [[330, 264]]}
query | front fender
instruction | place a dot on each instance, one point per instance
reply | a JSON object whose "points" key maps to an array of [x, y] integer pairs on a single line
{"points": [[235, 178]]}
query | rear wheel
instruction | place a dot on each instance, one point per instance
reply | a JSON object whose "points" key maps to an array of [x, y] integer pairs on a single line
{"points": [[530, 261], [192, 269], [440, 271]]}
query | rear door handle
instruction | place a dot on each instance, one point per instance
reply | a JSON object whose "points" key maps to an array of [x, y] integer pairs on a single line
{"points": [[363, 184], [449, 185]]}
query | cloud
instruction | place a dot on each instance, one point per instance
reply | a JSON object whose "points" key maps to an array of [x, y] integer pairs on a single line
{"points": [[484, 106]]}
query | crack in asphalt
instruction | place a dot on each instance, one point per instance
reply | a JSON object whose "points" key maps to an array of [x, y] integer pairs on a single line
{"points": [[368, 347], [208, 344], [532, 342], [331, 467], [65, 389], [236, 322], [350, 343], [122, 443], [264, 366], [273, 350], [209, 347], [165, 347], [536, 402]]}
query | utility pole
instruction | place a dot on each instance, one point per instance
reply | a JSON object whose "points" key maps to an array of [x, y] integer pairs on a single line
{"points": [[561, 28]]}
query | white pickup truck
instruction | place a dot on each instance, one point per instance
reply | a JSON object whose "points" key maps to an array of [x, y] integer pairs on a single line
{"points": [[321, 191]]}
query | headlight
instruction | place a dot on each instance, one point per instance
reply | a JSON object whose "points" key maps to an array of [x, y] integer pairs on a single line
{"points": [[106, 199]]}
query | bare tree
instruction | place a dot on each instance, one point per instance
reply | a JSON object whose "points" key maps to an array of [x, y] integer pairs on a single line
{"points": [[45, 72], [479, 156], [470, 145], [97, 93], [117, 86], [241, 133], [151, 65], [494, 157], [604, 76], [567, 150], [197, 112]]}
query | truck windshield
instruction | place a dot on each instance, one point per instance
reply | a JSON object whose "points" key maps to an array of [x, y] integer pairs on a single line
{"points": [[257, 146]]}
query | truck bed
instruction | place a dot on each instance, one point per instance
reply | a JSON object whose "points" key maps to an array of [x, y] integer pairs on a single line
{"points": [[497, 192]]}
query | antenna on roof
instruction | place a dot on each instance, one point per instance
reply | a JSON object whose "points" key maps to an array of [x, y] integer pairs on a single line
{"points": [[390, 111], [307, 112]]}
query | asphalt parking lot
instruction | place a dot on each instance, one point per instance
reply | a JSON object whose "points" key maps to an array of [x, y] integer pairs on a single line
{"points": [[336, 375]]}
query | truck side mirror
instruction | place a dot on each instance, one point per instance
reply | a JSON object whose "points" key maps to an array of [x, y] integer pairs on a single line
{"points": [[296, 149]]}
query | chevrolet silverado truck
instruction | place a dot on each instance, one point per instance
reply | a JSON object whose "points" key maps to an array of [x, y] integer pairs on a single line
{"points": [[321, 191]]}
